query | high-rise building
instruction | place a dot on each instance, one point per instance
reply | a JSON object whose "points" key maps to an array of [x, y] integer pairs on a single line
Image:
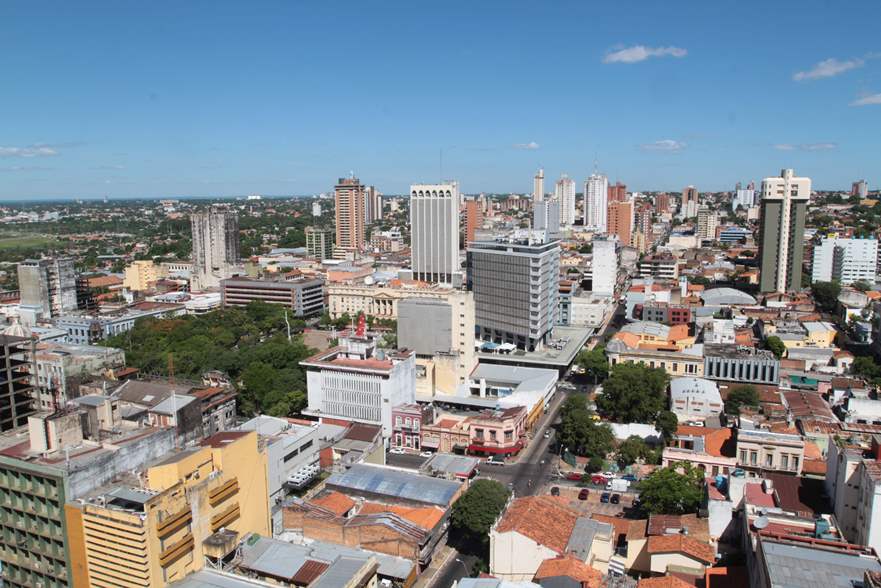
{"points": [[744, 198], [643, 220], [845, 260], [662, 203], [47, 289], [350, 202], [319, 242], [17, 392], [782, 226], [596, 202], [860, 188], [546, 217], [515, 285], [564, 193], [706, 224], [316, 209], [617, 192], [216, 247], [620, 220], [538, 186], [372, 205], [141, 274], [473, 219], [434, 227], [604, 265], [690, 202]]}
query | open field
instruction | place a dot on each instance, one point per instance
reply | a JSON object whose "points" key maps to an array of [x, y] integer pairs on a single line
{"points": [[25, 241]]}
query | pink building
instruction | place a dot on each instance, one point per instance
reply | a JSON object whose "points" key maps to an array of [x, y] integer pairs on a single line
{"points": [[407, 423], [498, 431]]}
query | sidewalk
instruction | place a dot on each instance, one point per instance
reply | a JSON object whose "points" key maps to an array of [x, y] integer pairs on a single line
{"points": [[438, 563]]}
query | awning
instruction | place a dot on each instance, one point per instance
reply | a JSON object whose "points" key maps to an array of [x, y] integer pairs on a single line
{"points": [[474, 448]]}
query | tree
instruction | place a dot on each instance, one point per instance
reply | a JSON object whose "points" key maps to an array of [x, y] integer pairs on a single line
{"points": [[826, 295], [862, 285], [739, 396], [776, 346], [667, 491], [631, 450], [667, 423], [580, 433], [594, 363], [474, 513], [634, 393], [595, 464]]}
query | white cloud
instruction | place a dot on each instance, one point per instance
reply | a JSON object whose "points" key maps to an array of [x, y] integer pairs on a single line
{"points": [[30, 151], [828, 68], [530, 145], [639, 53], [664, 145], [867, 100], [805, 146]]}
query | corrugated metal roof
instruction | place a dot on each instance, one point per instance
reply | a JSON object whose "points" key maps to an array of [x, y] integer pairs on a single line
{"points": [[382, 481]]}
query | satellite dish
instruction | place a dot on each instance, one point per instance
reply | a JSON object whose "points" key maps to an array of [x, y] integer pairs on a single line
{"points": [[761, 522]]}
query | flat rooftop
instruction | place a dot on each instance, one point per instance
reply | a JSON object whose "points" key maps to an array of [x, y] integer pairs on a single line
{"points": [[572, 340]]}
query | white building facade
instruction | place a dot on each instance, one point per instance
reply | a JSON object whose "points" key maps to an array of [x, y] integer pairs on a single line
{"points": [[605, 266], [564, 193], [845, 260], [434, 223], [596, 203]]}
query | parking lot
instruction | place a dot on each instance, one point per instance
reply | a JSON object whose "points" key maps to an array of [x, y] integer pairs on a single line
{"points": [[592, 504]]}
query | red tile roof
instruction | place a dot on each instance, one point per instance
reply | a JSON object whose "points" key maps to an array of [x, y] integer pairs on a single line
{"points": [[336, 502], [683, 544], [570, 567], [547, 520]]}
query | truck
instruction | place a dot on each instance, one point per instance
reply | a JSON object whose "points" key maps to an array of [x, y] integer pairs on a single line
{"points": [[618, 485]]}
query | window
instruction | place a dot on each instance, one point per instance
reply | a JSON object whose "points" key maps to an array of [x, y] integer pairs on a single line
{"points": [[769, 460], [492, 435], [743, 456], [509, 436], [794, 463], [753, 457], [784, 462], [398, 421]]}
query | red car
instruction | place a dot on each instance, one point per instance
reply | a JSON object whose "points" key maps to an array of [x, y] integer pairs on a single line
{"points": [[598, 479], [574, 476], [583, 494]]}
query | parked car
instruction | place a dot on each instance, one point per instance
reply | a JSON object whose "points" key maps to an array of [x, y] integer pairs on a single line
{"points": [[604, 498], [548, 434], [555, 491], [583, 494], [629, 478], [397, 451], [494, 460], [598, 479], [574, 476], [426, 454], [618, 485], [615, 499]]}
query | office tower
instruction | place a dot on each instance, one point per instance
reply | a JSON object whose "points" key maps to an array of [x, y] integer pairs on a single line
{"points": [[316, 209], [617, 192], [604, 265], [845, 260], [434, 226], [782, 226], [744, 198], [620, 220], [643, 220], [662, 203], [516, 290], [319, 242], [564, 193], [350, 202], [538, 186], [47, 289], [546, 218], [860, 188], [372, 205], [473, 219], [215, 247], [706, 224], [596, 202], [690, 202]]}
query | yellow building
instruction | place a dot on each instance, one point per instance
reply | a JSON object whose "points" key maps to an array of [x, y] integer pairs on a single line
{"points": [[141, 273], [197, 503]]}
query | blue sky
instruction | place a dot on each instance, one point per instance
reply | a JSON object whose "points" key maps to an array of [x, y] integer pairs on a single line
{"points": [[169, 98]]}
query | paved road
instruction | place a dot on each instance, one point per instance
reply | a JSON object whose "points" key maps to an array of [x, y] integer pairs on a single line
{"points": [[455, 569]]}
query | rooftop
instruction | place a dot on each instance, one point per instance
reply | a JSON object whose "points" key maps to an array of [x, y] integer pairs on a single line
{"points": [[790, 565], [382, 481]]}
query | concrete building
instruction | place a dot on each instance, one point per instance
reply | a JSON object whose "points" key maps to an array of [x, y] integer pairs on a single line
{"points": [[195, 504], [690, 202], [744, 198], [781, 247], [706, 224], [17, 387], [216, 247], [372, 205], [660, 267], [473, 219], [617, 192], [604, 265], [620, 221], [316, 209], [662, 203], [845, 260], [738, 363], [358, 382], [47, 289], [694, 399], [142, 274], [538, 186], [434, 226], [61, 366], [304, 296], [378, 299], [860, 188], [546, 218], [88, 329], [761, 451], [564, 193], [350, 202], [596, 202], [43, 470], [319, 242], [515, 290]]}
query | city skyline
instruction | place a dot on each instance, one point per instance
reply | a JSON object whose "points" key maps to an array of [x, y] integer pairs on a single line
{"points": [[237, 101]]}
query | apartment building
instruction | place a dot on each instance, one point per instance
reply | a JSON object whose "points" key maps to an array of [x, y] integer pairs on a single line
{"points": [[304, 296], [763, 451]]}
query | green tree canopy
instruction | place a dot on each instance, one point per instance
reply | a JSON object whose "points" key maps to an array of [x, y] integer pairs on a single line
{"points": [[631, 450], [862, 285], [740, 396], [474, 513], [667, 491], [667, 423], [776, 346], [580, 433], [634, 393], [826, 295], [594, 363]]}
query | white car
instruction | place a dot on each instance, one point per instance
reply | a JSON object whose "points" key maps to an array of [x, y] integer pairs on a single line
{"points": [[426, 454], [396, 451]]}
